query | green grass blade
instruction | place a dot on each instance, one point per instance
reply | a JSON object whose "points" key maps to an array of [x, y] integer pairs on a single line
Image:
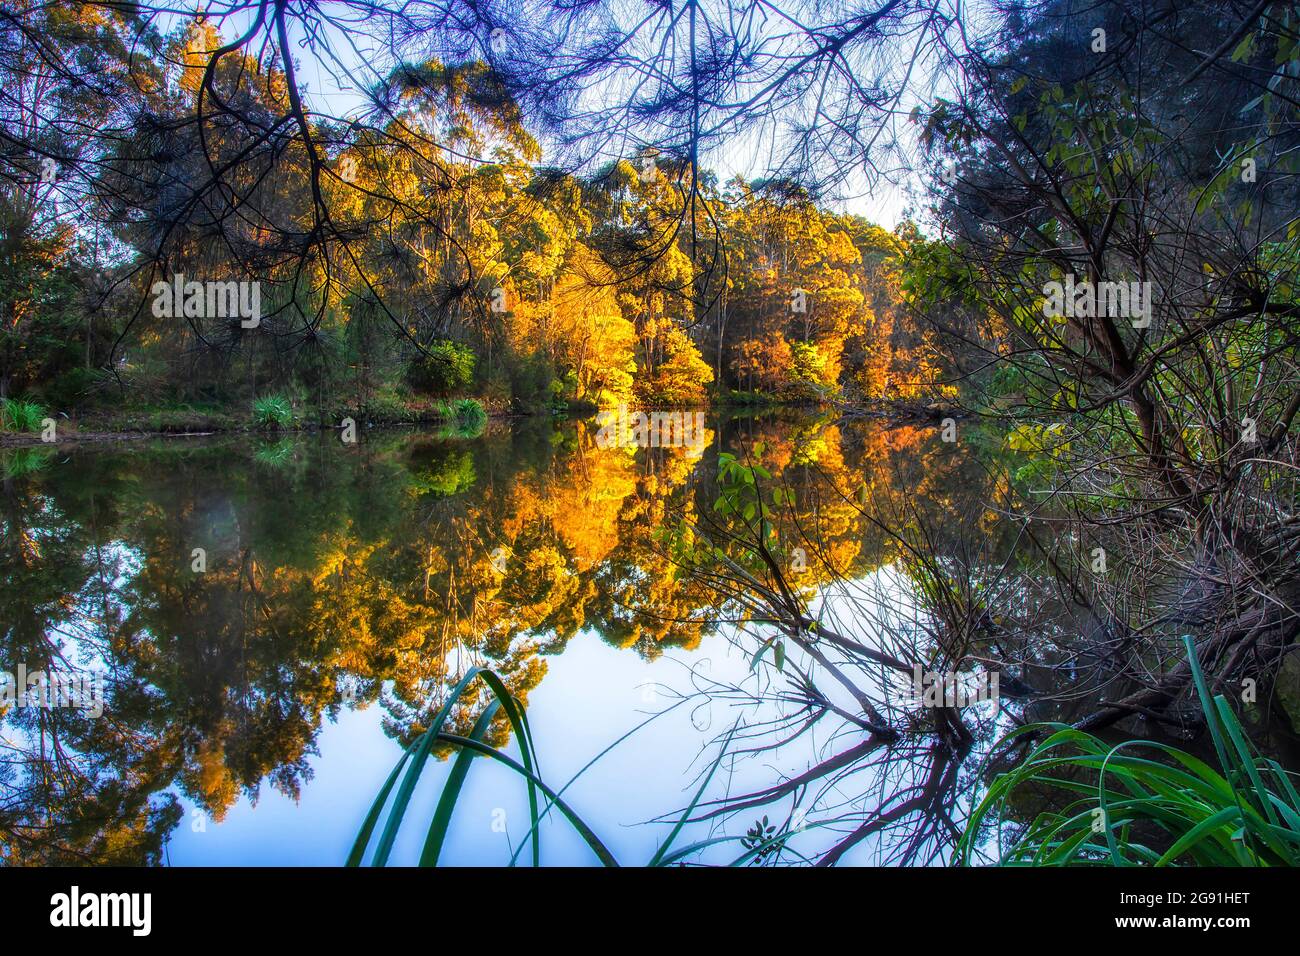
{"points": [[657, 859], [1196, 834], [1233, 729], [451, 790], [587, 834], [426, 741], [1207, 702], [591, 763], [368, 826], [527, 751]]}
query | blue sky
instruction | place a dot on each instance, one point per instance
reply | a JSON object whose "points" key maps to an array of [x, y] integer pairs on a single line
{"points": [[331, 91]]}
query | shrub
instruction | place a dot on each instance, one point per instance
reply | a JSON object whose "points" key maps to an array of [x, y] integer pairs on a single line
{"points": [[20, 416], [1141, 802], [447, 367], [272, 411], [465, 418], [468, 413]]}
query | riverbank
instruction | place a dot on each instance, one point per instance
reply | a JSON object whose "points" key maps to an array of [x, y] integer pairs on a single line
{"points": [[103, 425]]}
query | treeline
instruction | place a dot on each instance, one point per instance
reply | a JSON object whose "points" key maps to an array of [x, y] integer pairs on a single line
{"points": [[429, 255]]}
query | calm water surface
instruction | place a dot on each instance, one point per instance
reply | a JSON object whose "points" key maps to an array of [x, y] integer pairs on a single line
{"points": [[276, 618]]}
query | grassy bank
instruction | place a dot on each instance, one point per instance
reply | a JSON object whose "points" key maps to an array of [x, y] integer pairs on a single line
{"points": [[23, 422]]}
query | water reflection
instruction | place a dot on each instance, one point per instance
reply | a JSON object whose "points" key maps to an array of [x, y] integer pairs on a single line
{"points": [[239, 593]]}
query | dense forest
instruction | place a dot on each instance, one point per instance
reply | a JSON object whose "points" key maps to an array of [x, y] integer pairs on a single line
{"points": [[435, 255]]}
